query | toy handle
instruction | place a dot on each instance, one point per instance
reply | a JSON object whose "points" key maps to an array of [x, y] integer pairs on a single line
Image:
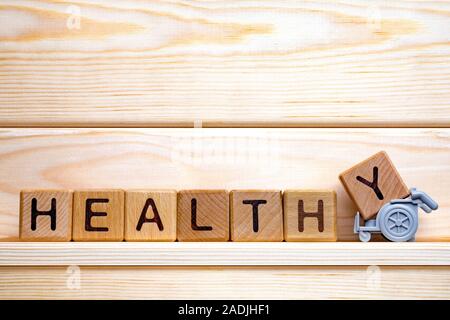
{"points": [[425, 208], [425, 198]]}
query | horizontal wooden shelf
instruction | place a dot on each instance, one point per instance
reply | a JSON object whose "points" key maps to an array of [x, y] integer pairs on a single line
{"points": [[226, 254]]}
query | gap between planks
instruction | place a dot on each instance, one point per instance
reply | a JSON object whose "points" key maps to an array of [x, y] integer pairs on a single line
{"points": [[223, 125]]}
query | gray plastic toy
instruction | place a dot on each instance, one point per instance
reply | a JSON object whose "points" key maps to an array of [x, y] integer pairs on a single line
{"points": [[398, 219]]}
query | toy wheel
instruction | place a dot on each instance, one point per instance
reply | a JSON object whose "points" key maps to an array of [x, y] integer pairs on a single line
{"points": [[364, 236], [398, 223]]}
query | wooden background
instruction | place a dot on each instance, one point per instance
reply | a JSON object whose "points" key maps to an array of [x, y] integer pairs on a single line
{"points": [[223, 94], [220, 158], [226, 63]]}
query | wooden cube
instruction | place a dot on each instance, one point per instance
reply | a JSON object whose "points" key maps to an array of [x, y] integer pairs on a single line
{"points": [[45, 215], [150, 215], [203, 215], [256, 215], [309, 215], [98, 215], [372, 183]]}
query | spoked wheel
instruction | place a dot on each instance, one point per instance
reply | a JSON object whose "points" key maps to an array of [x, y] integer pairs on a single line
{"points": [[399, 223]]}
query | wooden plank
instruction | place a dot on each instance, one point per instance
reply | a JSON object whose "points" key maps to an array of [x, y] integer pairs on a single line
{"points": [[225, 283], [223, 254], [225, 63], [245, 158]]}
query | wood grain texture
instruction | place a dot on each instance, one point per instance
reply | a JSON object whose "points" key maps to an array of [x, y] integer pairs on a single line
{"points": [[225, 254], [98, 215], [52, 215], [256, 221], [153, 212], [225, 283], [225, 63], [372, 183], [220, 158], [310, 215], [203, 215]]}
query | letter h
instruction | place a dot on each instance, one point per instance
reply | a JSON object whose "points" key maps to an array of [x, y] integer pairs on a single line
{"points": [[35, 213], [302, 215]]}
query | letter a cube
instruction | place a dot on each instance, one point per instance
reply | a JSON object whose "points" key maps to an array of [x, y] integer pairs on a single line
{"points": [[150, 215]]}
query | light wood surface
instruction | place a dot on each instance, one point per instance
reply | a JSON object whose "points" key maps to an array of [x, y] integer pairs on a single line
{"points": [[220, 158], [256, 221], [372, 183], [310, 215], [225, 63], [150, 215], [46, 215], [203, 215], [225, 283], [144, 63], [98, 215], [223, 253]]}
